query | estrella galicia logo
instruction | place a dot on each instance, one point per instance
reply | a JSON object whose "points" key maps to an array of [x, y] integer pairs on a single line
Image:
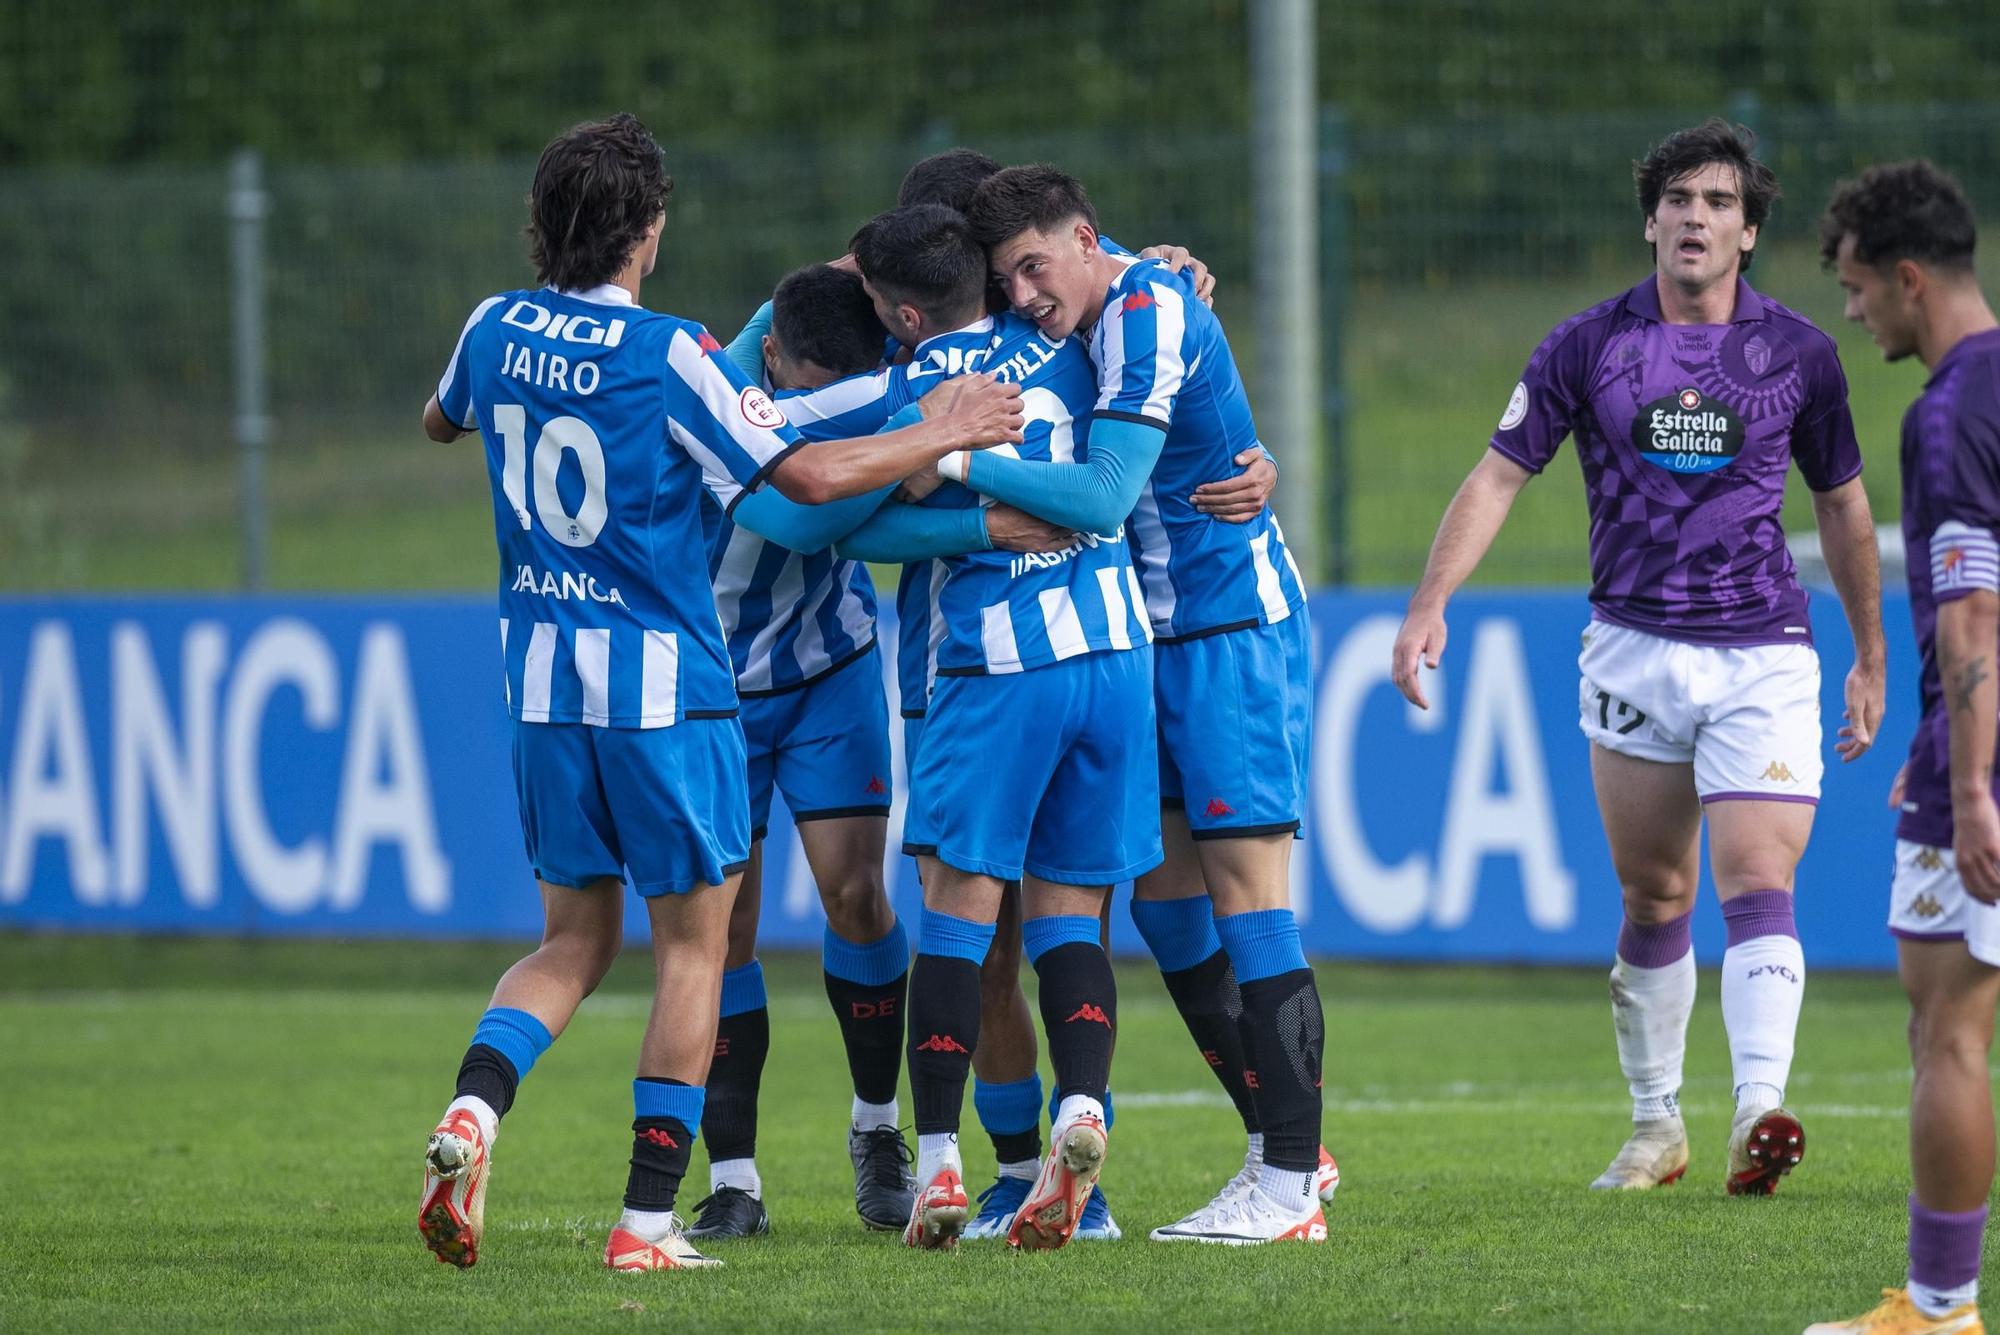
{"points": [[1688, 432]]}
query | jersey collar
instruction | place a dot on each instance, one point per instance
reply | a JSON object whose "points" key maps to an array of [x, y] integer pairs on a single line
{"points": [[605, 294], [1965, 347], [1644, 301], [984, 325]]}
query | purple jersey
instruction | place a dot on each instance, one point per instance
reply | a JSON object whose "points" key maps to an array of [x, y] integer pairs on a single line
{"points": [[1951, 513], [1684, 433]]}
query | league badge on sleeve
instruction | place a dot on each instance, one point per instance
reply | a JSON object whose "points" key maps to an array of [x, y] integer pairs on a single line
{"points": [[1517, 408]]}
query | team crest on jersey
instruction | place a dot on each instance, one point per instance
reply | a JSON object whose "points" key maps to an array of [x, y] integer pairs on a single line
{"points": [[758, 410], [1517, 407], [1757, 355], [1688, 432]]}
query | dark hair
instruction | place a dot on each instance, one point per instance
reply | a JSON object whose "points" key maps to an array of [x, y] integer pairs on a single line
{"points": [[597, 188], [1018, 199], [822, 315], [1714, 140], [948, 178], [1901, 211], [923, 255]]}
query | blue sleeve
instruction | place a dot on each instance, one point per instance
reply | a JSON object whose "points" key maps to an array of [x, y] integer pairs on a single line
{"points": [[897, 534], [1091, 497], [804, 528], [747, 348]]}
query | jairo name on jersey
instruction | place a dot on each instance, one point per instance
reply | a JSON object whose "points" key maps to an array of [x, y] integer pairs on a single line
{"points": [[1688, 432], [573, 585], [550, 370]]}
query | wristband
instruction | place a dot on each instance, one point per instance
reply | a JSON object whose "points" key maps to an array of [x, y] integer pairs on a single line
{"points": [[953, 466]]}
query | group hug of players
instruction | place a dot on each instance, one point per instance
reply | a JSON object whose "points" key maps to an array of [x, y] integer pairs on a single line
{"points": [[1103, 672]]}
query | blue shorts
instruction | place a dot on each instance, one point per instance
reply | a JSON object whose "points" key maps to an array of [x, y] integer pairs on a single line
{"points": [[825, 746], [1235, 714], [1050, 771], [666, 803]]}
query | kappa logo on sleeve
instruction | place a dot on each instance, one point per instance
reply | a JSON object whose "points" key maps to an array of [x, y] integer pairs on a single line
{"points": [[1517, 407], [1138, 301], [706, 342], [758, 410]]}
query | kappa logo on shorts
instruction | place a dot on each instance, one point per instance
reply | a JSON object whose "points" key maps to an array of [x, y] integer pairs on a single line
{"points": [[1928, 860], [1778, 772], [1926, 904], [876, 787], [941, 1043], [660, 1138], [1217, 808], [1091, 1012]]}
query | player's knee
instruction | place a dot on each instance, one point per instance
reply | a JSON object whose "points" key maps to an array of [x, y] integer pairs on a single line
{"points": [[1944, 1035], [1656, 894], [857, 907], [1000, 972]]}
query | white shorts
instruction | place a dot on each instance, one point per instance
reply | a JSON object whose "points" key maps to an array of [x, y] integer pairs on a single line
{"points": [[1927, 902], [1748, 718]]}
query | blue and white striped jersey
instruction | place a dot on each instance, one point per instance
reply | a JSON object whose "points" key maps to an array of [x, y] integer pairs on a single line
{"points": [[1163, 359], [789, 617], [603, 424], [996, 611]]}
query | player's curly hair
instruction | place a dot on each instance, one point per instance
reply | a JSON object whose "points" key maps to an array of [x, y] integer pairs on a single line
{"points": [[597, 188], [1018, 199], [822, 315], [1901, 211], [1689, 150]]}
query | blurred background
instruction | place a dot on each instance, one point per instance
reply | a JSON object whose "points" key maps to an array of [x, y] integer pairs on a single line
{"points": [[261, 224]]}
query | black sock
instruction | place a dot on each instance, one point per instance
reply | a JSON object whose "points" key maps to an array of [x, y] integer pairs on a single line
{"points": [[487, 1074], [871, 1028], [660, 1149], [1080, 1016], [735, 1075], [944, 1029], [1017, 1146], [1210, 1005], [1284, 1033]]}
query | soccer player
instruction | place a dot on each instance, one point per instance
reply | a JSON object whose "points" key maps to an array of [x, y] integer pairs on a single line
{"points": [[1232, 666], [1900, 239], [1689, 396], [800, 628], [603, 422]]}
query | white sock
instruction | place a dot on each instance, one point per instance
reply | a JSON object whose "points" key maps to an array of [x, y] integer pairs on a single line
{"points": [[1286, 1190], [482, 1113], [935, 1153], [1027, 1169], [1763, 981], [1936, 1302], [738, 1173], [867, 1116], [1073, 1107], [1256, 1152], [1650, 1010], [652, 1225]]}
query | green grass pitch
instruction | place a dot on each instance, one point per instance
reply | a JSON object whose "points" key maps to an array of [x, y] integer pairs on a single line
{"points": [[224, 1135]]}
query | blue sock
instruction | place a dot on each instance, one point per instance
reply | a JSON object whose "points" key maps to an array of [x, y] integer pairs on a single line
{"points": [[872, 965], [743, 989], [1261, 944], [1008, 1109], [515, 1035], [1179, 932], [1041, 935], [947, 937], [654, 1097]]}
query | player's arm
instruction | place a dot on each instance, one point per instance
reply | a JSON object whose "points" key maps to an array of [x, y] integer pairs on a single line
{"points": [[448, 414], [1470, 524], [1968, 628], [437, 426], [1092, 496], [1180, 260], [1240, 499], [980, 412], [746, 350], [897, 534], [771, 514], [1847, 537]]}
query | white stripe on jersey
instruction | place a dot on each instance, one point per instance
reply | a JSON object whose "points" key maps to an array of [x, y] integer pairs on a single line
{"points": [[1270, 589], [1291, 565], [732, 578], [1065, 628], [457, 356], [506, 686], [1169, 370], [836, 399], [724, 403], [659, 679], [714, 476], [1109, 337], [1155, 552], [940, 576], [854, 618], [996, 635], [1963, 558], [593, 669], [809, 645], [537, 670], [1115, 611], [1138, 600], [786, 590]]}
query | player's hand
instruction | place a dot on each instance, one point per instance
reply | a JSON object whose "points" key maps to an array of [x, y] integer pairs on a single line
{"points": [[1975, 843], [1177, 258], [919, 485], [1239, 499], [1867, 687], [1419, 643], [1011, 530], [984, 411], [1899, 786], [846, 264]]}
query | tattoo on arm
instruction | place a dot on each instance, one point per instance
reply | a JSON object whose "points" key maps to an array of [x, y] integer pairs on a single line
{"points": [[1965, 681]]}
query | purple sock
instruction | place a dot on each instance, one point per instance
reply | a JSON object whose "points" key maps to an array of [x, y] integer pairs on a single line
{"points": [[1944, 1246], [1759, 913], [1655, 945]]}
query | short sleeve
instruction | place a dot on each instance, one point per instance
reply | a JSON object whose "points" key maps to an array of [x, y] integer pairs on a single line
{"points": [[1823, 441], [1542, 410], [454, 391], [725, 424], [1142, 361]]}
